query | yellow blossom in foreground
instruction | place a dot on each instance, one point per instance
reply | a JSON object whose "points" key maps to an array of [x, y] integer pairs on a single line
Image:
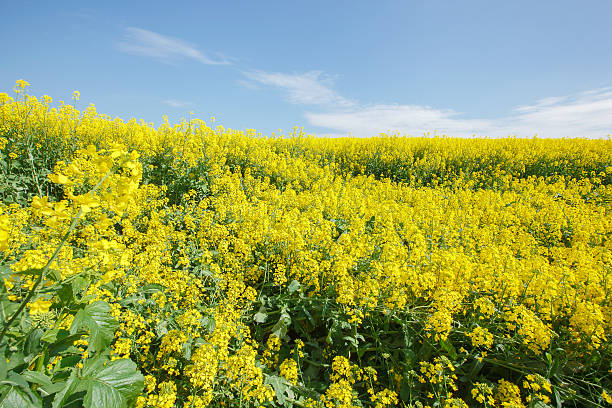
{"points": [[39, 306]]}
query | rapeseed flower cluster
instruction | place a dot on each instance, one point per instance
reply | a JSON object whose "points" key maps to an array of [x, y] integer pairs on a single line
{"points": [[251, 271]]}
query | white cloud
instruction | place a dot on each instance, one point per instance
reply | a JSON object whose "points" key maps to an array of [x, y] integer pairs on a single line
{"points": [[138, 41], [588, 114], [553, 100], [175, 103], [413, 120], [308, 88]]}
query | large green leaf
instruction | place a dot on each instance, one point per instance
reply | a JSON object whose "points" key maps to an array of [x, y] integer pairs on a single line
{"points": [[5, 271], [37, 378], [65, 393], [261, 316], [19, 394], [294, 286], [61, 341], [3, 364], [284, 321], [113, 385], [32, 344], [17, 398], [96, 317], [7, 308], [282, 389], [279, 387]]}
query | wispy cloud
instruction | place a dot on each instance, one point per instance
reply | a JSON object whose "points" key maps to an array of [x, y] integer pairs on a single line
{"points": [[413, 120], [137, 41], [175, 103], [587, 114], [308, 88]]}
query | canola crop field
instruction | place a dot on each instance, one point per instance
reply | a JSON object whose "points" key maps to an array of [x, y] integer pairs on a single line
{"points": [[197, 266]]}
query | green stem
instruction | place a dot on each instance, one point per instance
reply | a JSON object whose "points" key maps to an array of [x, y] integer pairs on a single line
{"points": [[40, 363], [507, 365]]}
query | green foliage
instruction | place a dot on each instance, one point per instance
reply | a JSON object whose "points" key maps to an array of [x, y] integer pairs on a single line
{"points": [[178, 176], [39, 362], [25, 165], [97, 319]]}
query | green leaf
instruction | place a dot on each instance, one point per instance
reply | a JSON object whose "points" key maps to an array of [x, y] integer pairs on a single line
{"points": [[52, 274], [63, 395], [279, 387], [187, 350], [87, 299], [52, 388], [16, 360], [3, 365], [114, 385], [558, 399], [50, 336], [36, 378], [280, 328], [161, 328], [63, 343], [449, 348], [208, 322], [152, 288], [16, 398], [32, 345], [19, 383], [261, 316], [7, 308], [31, 271], [15, 380], [65, 294], [79, 283], [96, 317], [350, 339], [294, 286], [5, 271]]}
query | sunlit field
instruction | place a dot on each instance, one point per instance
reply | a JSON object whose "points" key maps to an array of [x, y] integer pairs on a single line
{"points": [[192, 266]]}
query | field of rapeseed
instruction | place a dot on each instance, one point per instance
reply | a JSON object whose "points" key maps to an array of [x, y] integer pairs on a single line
{"points": [[192, 266]]}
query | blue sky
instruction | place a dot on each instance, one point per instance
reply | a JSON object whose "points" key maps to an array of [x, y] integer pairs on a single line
{"points": [[488, 68]]}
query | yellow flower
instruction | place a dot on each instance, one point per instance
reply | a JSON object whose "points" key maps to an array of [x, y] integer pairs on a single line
{"points": [[39, 306], [438, 233], [508, 393], [59, 178], [86, 201], [5, 229], [289, 370], [20, 85], [481, 337]]}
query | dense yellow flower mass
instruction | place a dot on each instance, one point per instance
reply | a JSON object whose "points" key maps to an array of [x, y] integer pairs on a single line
{"points": [[302, 271]]}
